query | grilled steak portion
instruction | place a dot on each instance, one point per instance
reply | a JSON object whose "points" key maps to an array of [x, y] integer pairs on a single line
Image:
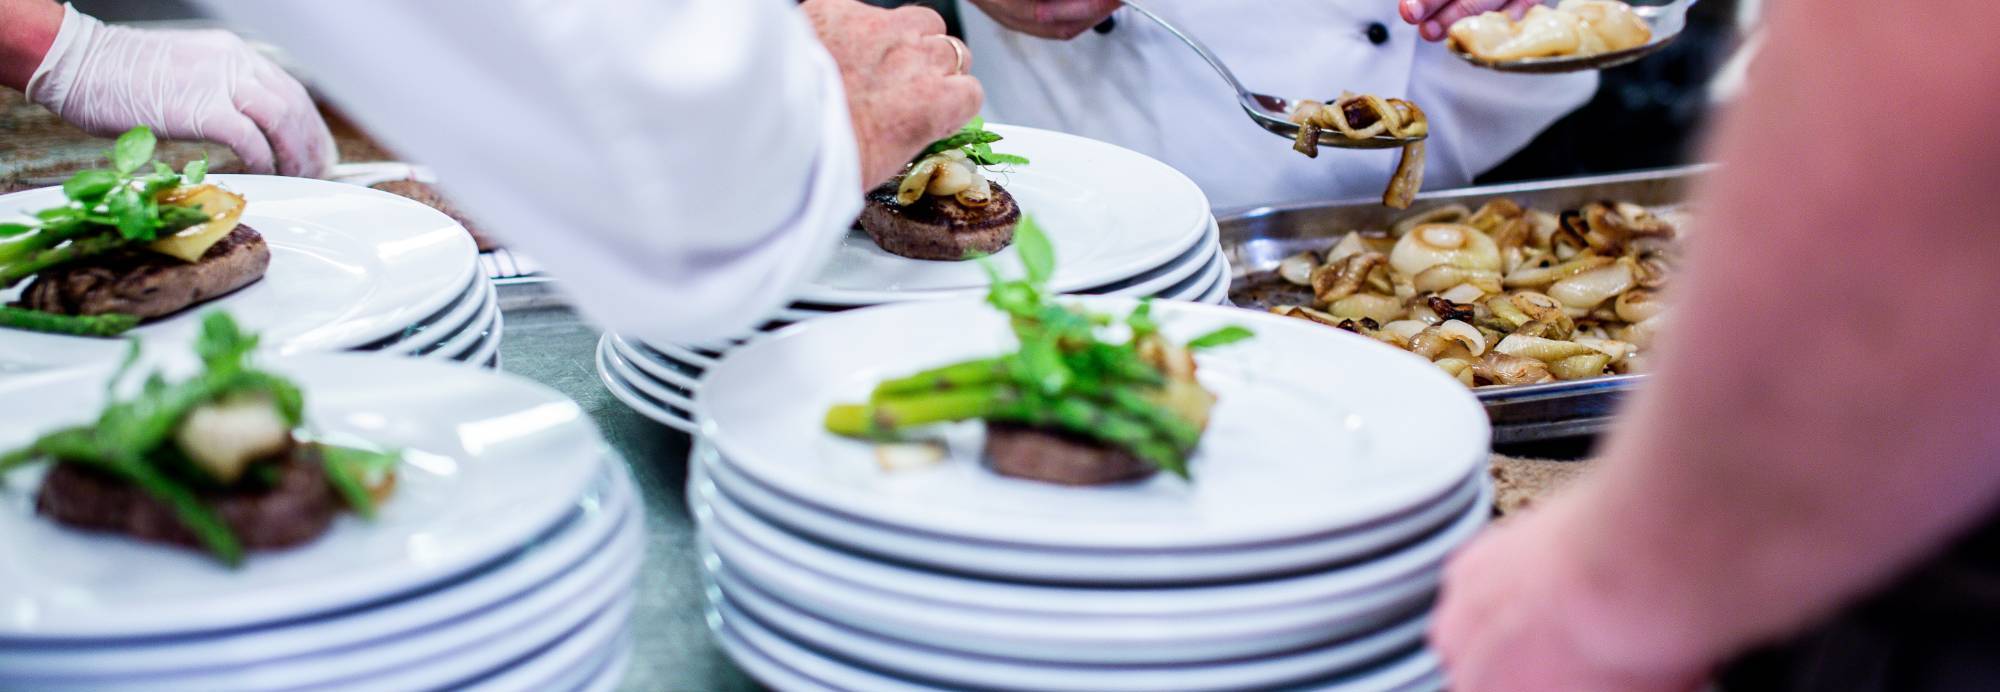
{"points": [[939, 228], [149, 284], [294, 510], [1057, 457], [428, 194]]}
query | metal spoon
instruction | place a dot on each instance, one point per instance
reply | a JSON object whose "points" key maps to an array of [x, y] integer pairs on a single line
{"points": [[1271, 112], [1667, 21]]}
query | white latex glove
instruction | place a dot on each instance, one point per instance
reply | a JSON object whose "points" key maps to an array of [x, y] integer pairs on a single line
{"points": [[206, 85]]}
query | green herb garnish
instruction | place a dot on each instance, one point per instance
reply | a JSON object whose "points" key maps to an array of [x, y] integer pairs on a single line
{"points": [[977, 143], [105, 209], [1063, 376], [134, 439], [350, 469]]}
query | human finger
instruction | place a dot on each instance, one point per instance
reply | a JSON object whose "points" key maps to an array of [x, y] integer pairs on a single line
{"points": [[1435, 26], [300, 141], [922, 20], [236, 131]]}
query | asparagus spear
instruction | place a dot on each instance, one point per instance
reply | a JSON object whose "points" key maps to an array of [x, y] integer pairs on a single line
{"points": [[111, 324], [80, 248], [955, 376]]}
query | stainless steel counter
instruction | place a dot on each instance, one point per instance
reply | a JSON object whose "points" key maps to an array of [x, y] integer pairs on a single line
{"points": [[548, 343]]}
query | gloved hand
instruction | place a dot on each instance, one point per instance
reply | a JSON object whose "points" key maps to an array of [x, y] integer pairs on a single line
{"points": [[205, 85], [1434, 17], [1058, 19]]}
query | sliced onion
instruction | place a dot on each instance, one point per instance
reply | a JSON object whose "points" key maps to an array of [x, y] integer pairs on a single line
{"points": [[1589, 289], [1349, 245], [951, 178], [978, 194], [1446, 214], [1298, 269], [1464, 334], [1369, 305], [915, 181], [1638, 305], [1404, 330], [1434, 244], [1463, 293], [1545, 350]]}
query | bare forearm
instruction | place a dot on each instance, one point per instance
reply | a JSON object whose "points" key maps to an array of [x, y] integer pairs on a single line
{"points": [[1824, 413], [27, 28]]}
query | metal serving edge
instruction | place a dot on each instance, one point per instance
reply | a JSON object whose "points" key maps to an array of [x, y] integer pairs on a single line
{"points": [[1256, 238]]}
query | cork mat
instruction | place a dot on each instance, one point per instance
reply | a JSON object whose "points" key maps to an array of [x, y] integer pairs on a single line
{"points": [[1522, 483]]}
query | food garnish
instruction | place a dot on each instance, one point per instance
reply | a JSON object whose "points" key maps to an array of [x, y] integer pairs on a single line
{"points": [[1573, 28], [1360, 117], [136, 204], [1503, 295], [231, 429], [943, 207], [952, 167], [1138, 395]]}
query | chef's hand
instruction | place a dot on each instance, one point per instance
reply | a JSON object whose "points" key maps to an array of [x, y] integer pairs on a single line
{"points": [[1514, 616], [1059, 19], [1434, 17], [906, 80], [185, 85]]}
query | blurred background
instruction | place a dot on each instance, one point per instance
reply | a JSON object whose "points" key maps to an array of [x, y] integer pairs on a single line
{"points": [[1664, 96]]}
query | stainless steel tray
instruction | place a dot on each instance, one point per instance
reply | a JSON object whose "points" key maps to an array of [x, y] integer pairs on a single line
{"points": [[1257, 238]]}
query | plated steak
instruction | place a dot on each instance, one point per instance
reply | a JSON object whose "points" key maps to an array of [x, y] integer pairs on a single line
{"points": [[1056, 457], [148, 284], [940, 228], [295, 509]]}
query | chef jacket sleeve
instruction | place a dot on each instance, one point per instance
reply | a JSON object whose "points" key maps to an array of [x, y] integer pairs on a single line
{"points": [[1481, 116], [680, 165]]}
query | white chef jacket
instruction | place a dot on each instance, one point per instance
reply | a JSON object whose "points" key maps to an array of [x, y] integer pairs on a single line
{"points": [[1141, 88], [681, 165]]}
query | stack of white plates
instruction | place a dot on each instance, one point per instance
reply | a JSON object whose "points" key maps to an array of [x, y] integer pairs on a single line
{"points": [[1122, 224], [504, 559], [351, 269], [1335, 478]]}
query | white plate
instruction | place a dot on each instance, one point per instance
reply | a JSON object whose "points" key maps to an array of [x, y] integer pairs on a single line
{"points": [[459, 343], [573, 652], [631, 375], [1081, 567], [655, 366], [1199, 285], [786, 665], [349, 266], [922, 662], [1218, 294], [491, 461], [431, 329], [431, 655], [1111, 213], [659, 412], [588, 531], [685, 355], [1188, 264], [487, 353], [1068, 639], [625, 374], [1320, 430], [1429, 538], [611, 671], [471, 314]]}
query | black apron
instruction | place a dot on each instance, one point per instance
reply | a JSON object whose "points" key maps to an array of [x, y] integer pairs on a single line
{"points": [[1936, 629]]}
